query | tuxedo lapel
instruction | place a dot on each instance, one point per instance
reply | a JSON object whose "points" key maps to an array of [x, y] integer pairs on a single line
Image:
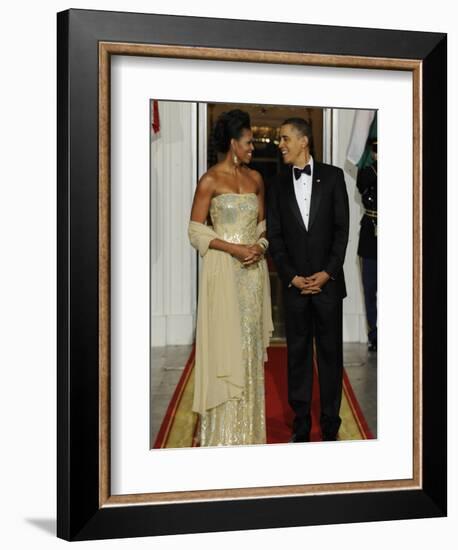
{"points": [[317, 188], [291, 197]]}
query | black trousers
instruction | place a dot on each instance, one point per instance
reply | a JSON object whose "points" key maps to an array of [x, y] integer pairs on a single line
{"points": [[308, 318], [369, 275]]}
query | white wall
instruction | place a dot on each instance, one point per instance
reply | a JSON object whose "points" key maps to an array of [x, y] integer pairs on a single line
{"points": [[173, 261]]}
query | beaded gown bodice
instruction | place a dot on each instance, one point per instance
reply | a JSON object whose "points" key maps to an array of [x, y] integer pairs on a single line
{"points": [[235, 217]]}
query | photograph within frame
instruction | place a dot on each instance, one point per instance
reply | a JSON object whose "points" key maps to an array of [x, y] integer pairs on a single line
{"points": [[84, 504], [184, 130]]}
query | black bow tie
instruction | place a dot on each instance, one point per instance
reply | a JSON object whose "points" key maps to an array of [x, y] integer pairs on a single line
{"points": [[306, 170]]}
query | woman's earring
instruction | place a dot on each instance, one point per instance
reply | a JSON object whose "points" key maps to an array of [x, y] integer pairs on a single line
{"points": [[235, 158]]}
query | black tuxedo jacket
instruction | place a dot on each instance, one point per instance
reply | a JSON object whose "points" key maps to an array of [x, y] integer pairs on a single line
{"points": [[298, 251]]}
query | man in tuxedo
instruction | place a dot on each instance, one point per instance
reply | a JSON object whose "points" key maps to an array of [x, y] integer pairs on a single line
{"points": [[307, 229]]}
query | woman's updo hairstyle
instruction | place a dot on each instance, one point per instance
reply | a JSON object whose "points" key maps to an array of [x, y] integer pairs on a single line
{"points": [[230, 125]]}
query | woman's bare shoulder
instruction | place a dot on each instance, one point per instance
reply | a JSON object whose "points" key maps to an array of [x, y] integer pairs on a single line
{"points": [[257, 177], [208, 181]]}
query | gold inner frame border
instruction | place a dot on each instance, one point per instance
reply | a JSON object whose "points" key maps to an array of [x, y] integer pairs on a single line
{"points": [[106, 50]]}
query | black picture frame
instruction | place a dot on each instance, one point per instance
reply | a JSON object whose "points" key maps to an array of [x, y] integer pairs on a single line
{"points": [[81, 516]]}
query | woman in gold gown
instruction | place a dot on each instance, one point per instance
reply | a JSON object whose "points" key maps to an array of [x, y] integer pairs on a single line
{"points": [[234, 313]]}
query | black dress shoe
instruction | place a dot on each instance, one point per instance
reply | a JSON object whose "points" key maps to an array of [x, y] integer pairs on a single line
{"points": [[328, 437], [372, 346], [300, 438]]}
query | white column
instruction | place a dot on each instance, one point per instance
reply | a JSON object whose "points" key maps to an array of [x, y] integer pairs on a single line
{"points": [[354, 316], [173, 260]]}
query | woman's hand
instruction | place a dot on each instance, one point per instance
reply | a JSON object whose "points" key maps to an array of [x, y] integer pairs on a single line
{"points": [[242, 252], [256, 252], [239, 251]]}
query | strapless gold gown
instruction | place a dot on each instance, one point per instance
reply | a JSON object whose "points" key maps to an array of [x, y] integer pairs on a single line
{"points": [[241, 421]]}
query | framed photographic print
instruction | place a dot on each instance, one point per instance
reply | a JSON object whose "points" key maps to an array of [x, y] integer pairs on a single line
{"points": [[140, 101]]}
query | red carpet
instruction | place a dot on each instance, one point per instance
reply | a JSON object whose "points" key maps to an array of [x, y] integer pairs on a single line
{"points": [[179, 426], [279, 416]]}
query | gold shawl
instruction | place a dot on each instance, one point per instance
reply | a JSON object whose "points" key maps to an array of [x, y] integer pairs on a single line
{"points": [[219, 370]]}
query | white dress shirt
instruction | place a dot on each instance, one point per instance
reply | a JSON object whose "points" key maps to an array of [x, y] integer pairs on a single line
{"points": [[303, 191]]}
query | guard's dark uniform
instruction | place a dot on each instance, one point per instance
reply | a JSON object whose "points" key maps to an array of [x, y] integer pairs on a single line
{"points": [[367, 247]]}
